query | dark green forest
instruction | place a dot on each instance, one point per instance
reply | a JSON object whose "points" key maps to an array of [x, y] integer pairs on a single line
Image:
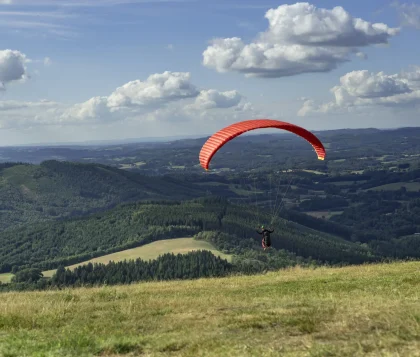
{"points": [[192, 265], [50, 244], [53, 190]]}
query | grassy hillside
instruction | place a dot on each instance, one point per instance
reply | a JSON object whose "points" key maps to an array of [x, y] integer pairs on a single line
{"points": [[152, 251], [370, 310], [31, 193]]}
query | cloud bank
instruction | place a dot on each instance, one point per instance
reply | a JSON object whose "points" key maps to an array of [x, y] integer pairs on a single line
{"points": [[361, 89], [162, 96], [301, 38]]}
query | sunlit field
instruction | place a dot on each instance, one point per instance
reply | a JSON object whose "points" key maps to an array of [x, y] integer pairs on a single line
{"points": [[152, 251], [370, 310]]}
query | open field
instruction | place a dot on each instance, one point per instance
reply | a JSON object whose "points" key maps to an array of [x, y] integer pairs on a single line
{"points": [[371, 310], [410, 186], [326, 214], [152, 251], [315, 172], [242, 192], [5, 278], [131, 165]]}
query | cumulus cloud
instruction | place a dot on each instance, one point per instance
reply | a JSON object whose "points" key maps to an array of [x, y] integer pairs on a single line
{"points": [[214, 105], [95, 108], [363, 84], [157, 89], [167, 96], [210, 99], [301, 38], [359, 89], [136, 97], [156, 94], [412, 76], [409, 14], [12, 66]]}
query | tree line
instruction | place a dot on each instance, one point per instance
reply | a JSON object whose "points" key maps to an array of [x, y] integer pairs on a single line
{"points": [[193, 265]]}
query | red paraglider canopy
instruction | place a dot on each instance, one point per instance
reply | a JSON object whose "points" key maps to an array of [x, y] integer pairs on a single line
{"points": [[217, 140]]}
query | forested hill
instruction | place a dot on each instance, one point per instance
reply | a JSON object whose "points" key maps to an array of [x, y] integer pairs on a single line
{"points": [[229, 227], [53, 189]]}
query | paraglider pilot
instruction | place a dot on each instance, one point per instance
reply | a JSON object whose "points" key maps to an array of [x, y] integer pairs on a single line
{"points": [[266, 241]]}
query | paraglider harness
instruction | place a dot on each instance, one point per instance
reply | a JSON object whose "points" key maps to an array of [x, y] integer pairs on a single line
{"points": [[266, 240]]}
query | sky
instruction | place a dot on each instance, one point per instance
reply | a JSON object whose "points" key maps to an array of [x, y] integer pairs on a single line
{"points": [[82, 70]]}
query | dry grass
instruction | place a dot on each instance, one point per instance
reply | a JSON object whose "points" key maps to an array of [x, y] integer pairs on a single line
{"points": [[370, 310]]}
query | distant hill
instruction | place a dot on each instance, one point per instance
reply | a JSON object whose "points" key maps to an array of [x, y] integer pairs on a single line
{"points": [[369, 141], [39, 204], [53, 189]]}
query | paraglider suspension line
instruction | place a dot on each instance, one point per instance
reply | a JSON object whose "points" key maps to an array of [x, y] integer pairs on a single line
{"points": [[277, 211]]}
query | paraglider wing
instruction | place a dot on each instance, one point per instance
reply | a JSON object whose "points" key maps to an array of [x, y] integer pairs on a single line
{"points": [[217, 140]]}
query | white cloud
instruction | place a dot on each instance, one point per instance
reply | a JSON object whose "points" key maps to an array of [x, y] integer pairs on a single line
{"points": [[409, 14], [12, 66], [301, 38], [211, 99], [307, 107], [167, 96], [22, 115], [361, 89], [153, 96], [412, 77], [170, 47], [363, 84], [158, 89], [94, 109]]}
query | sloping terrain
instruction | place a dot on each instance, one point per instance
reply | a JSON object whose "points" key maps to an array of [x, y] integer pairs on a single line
{"points": [[370, 310], [51, 190]]}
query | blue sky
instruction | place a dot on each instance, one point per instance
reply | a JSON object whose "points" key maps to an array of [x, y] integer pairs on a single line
{"points": [[70, 73]]}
